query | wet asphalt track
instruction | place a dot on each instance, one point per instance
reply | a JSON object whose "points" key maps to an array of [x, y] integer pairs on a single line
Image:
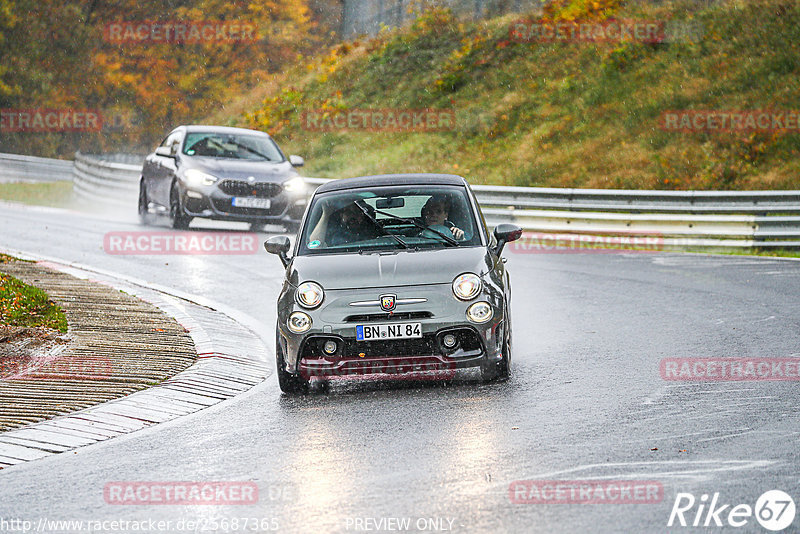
{"points": [[586, 402]]}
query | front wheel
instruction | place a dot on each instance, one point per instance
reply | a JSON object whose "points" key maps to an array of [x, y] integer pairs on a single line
{"points": [[502, 369], [180, 221], [289, 383]]}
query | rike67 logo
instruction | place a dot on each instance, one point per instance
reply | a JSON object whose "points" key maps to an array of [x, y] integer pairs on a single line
{"points": [[774, 510]]}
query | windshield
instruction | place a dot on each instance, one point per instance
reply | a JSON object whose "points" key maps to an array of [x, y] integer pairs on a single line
{"points": [[231, 146], [408, 217]]}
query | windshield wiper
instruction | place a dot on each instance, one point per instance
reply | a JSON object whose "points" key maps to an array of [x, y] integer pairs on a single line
{"points": [[252, 151], [378, 225], [449, 240]]}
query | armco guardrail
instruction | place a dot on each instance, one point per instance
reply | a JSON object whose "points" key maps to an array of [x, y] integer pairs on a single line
{"points": [[112, 178], [684, 219], [19, 168]]}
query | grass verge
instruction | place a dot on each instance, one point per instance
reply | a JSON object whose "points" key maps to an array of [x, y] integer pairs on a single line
{"points": [[26, 306], [53, 194]]}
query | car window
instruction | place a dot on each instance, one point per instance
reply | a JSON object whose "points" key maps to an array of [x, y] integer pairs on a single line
{"points": [[231, 146], [413, 217]]}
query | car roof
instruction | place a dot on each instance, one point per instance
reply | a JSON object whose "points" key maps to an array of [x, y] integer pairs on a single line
{"points": [[219, 129], [379, 180]]}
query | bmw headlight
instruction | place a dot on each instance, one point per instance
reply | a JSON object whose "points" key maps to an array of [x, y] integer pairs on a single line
{"points": [[299, 322], [309, 295], [295, 185], [197, 178], [466, 286], [480, 312]]}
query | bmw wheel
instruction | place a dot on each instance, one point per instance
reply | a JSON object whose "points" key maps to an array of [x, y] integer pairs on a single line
{"points": [[180, 221]]}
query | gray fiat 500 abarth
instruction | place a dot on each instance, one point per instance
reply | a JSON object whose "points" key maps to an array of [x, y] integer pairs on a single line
{"points": [[393, 275]]}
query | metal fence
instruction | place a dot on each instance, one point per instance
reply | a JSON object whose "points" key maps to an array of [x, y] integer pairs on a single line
{"points": [[682, 219], [19, 168], [109, 178]]}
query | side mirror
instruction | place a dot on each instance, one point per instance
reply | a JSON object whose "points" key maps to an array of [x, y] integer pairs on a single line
{"points": [[505, 233], [296, 161], [164, 151], [279, 245]]}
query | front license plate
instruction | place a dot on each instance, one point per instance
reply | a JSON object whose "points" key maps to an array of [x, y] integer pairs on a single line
{"points": [[374, 332], [250, 202]]}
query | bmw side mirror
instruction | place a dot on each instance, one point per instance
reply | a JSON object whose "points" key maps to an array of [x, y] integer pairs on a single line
{"points": [[164, 151], [279, 245], [505, 233], [296, 161]]}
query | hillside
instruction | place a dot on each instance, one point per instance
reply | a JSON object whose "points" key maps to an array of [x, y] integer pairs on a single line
{"points": [[561, 114]]}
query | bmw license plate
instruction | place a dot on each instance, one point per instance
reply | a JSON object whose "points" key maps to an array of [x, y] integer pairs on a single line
{"points": [[375, 332], [250, 202]]}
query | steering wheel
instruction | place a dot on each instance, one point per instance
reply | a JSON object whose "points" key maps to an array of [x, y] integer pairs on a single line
{"points": [[429, 231]]}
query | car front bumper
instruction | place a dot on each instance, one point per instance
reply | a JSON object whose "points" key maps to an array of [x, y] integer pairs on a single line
{"points": [[440, 314], [211, 203]]}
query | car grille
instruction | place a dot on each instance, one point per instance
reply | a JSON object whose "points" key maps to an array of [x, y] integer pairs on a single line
{"points": [[239, 188], [392, 347], [401, 316], [468, 340]]}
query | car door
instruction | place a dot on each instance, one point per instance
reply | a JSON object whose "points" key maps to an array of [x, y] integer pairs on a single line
{"points": [[150, 169], [166, 167]]}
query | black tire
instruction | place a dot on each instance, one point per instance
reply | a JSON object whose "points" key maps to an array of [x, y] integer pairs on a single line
{"points": [[180, 221], [502, 369], [144, 203], [289, 383], [504, 365]]}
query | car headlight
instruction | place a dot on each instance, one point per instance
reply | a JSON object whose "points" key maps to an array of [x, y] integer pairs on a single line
{"points": [[295, 185], [196, 178], [480, 312], [309, 295], [466, 286], [299, 322]]}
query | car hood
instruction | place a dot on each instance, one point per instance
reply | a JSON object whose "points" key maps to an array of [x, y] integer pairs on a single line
{"points": [[243, 169], [402, 268]]}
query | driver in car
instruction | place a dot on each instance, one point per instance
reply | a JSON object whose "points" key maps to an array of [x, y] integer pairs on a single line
{"points": [[436, 211], [353, 226]]}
